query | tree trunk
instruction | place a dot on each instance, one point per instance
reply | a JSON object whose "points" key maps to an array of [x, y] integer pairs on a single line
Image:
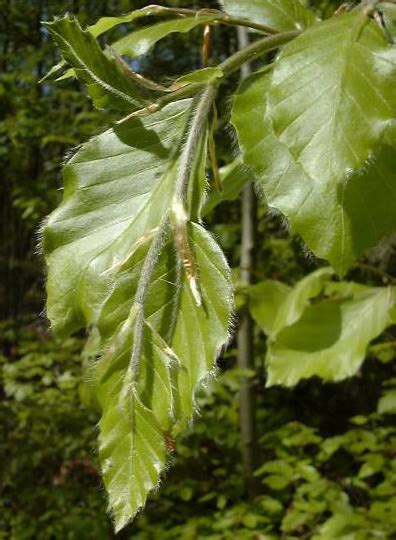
{"points": [[245, 337]]}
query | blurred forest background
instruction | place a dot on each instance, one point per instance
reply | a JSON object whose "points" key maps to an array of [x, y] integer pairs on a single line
{"points": [[325, 453]]}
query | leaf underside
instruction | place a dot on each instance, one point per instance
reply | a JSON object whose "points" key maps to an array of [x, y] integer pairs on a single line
{"points": [[181, 343], [118, 187]]}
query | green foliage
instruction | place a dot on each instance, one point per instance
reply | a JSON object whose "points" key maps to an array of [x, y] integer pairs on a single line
{"points": [[139, 419], [276, 306], [140, 42], [107, 85], [325, 188], [327, 337], [233, 178], [49, 475], [129, 259], [310, 484], [97, 178], [307, 473], [287, 15]]}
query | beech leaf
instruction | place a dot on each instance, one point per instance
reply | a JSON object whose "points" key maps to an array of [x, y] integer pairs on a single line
{"points": [[338, 217], [181, 342], [280, 14]]}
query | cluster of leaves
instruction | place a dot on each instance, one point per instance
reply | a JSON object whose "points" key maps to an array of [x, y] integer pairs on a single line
{"points": [[310, 484], [126, 251], [38, 124], [48, 451]]}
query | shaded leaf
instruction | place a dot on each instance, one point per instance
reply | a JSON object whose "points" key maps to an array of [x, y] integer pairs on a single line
{"points": [[200, 76], [234, 177], [387, 402]]}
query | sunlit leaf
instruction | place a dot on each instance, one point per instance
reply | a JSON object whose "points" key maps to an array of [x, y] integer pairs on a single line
{"points": [[280, 14], [117, 187], [141, 41], [318, 327], [338, 217], [276, 306], [181, 343], [108, 85], [329, 97]]}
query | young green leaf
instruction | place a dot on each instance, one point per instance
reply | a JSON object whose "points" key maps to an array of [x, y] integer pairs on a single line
{"points": [[104, 24], [387, 402], [117, 188], [107, 84], [275, 306], [330, 100], [330, 337], [337, 220], [180, 343], [206, 75], [162, 313], [141, 41], [280, 14]]}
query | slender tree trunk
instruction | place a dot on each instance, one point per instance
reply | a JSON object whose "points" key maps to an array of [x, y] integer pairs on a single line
{"points": [[245, 338]]}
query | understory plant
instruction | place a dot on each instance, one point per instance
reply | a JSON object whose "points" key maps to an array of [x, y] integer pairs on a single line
{"points": [[128, 255]]}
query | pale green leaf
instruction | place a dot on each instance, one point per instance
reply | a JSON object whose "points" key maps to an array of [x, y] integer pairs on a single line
{"points": [[276, 306], [330, 340], [342, 525], [55, 73], [181, 343], [389, 14], [280, 14], [330, 99], [141, 41], [265, 299], [104, 24], [117, 188], [107, 84], [337, 220]]}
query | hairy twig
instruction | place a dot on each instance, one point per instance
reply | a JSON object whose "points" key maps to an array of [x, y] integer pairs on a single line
{"points": [[187, 159], [233, 63]]}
